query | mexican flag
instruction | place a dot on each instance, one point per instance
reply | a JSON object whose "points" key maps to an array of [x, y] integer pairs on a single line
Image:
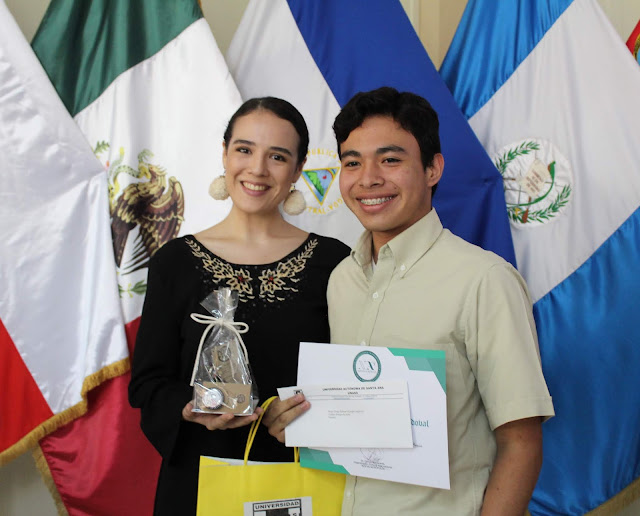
{"points": [[151, 92]]}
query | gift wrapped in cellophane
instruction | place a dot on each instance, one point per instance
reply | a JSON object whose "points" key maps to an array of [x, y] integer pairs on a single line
{"points": [[222, 380]]}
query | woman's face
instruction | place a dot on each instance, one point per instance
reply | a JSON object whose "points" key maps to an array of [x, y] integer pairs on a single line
{"points": [[260, 161]]}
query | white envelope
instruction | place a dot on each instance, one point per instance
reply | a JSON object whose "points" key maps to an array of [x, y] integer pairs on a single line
{"points": [[427, 463], [349, 415]]}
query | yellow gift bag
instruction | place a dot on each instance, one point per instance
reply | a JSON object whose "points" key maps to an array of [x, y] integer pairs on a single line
{"points": [[263, 489]]}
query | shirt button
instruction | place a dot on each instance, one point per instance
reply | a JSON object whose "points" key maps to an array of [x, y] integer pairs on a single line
{"points": [[348, 494], [363, 343], [375, 295], [402, 267]]}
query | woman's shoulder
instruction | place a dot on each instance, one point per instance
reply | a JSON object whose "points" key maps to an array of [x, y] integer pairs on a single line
{"points": [[174, 250], [331, 248]]}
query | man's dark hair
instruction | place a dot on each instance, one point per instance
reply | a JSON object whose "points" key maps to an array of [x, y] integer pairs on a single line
{"points": [[280, 108], [414, 114]]}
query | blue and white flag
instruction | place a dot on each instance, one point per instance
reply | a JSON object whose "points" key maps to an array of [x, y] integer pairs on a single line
{"points": [[317, 55], [552, 93]]}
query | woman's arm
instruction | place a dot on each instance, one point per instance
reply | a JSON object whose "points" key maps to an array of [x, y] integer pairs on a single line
{"points": [[156, 387]]}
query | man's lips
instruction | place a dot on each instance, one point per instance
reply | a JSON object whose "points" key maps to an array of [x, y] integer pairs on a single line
{"points": [[375, 201]]}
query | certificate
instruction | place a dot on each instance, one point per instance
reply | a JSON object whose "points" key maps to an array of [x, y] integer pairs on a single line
{"points": [[427, 463], [348, 415]]}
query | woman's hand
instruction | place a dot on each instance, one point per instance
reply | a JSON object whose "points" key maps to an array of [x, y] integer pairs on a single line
{"points": [[218, 421], [280, 413]]}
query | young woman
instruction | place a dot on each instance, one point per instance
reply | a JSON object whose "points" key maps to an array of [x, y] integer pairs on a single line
{"points": [[281, 275]]}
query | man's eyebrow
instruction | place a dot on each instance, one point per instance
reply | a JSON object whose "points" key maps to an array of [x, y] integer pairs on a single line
{"points": [[390, 148], [351, 154]]}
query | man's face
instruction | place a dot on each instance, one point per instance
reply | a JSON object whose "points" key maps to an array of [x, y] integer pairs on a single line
{"points": [[382, 178]]}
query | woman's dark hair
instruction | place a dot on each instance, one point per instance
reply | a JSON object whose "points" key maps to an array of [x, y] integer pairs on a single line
{"points": [[280, 108], [414, 114]]}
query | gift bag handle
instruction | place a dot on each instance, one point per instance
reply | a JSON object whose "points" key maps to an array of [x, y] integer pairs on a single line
{"points": [[254, 430]]}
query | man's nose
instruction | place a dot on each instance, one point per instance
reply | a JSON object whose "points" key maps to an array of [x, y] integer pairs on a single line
{"points": [[370, 175]]}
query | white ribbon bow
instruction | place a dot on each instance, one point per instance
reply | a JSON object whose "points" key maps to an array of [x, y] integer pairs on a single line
{"points": [[210, 321]]}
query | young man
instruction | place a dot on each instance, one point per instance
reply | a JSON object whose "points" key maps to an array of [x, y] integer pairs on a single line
{"points": [[410, 283]]}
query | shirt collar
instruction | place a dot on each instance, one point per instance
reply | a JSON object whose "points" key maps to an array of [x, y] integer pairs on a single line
{"points": [[406, 248]]}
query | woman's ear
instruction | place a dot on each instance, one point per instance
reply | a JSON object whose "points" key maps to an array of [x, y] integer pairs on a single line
{"points": [[298, 172], [224, 155]]}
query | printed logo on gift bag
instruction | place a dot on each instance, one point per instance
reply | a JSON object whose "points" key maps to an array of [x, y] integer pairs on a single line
{"points": [[285, 507]]}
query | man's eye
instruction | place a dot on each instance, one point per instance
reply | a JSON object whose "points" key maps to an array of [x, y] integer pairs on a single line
{"points": [[390, 160], [350, 164]]}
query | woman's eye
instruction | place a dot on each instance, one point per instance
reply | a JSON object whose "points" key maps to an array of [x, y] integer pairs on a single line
{"points": [[279, 157], [243, 150]]}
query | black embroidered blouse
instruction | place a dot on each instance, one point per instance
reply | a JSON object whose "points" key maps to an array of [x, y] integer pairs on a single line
{"points": [[283, 303]]}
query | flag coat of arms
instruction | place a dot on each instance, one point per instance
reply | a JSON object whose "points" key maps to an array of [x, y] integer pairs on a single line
{"points": [[61, 328], [551, 92], [309, 54], [149, 88]]}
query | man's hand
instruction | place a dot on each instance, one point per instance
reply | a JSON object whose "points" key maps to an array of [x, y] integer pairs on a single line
{"points": [[280, 413], [515, 472], [218, 421]]}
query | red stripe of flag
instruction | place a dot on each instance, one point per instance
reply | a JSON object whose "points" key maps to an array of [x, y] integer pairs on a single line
{"points": [[105, 453], [22, 406], [634, 41]]}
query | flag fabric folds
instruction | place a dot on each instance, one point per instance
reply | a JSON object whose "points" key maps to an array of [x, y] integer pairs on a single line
{"points": [[310, 54], [148, 86], [61, 328], [633, 43], [551, 92]]}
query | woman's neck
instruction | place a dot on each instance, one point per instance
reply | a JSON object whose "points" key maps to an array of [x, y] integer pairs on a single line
{"points": [[252, 239], [242, 226]]}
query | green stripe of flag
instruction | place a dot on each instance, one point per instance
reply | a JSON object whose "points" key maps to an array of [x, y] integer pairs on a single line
{"points": [[84, 45]]}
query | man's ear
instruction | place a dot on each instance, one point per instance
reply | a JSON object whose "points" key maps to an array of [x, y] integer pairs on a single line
{"points": [[433, 173]]}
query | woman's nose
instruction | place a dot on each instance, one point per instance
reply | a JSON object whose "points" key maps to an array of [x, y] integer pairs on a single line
{"points": [[258, 166]]}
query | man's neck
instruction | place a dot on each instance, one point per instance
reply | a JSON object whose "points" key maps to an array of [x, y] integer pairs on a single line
{"points": [[380, 238]]}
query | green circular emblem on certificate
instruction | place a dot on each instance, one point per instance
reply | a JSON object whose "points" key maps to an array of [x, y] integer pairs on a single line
{"points": [[366, 366]]}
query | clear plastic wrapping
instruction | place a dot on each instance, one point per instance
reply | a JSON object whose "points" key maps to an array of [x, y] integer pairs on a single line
{"points": [[222, 380]]}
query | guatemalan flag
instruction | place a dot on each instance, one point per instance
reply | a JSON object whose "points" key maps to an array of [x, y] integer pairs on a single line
{"points": [[552, 93], [317, 55]]}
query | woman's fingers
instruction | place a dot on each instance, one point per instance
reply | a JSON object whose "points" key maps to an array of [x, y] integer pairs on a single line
{"points": [[218, 421]]}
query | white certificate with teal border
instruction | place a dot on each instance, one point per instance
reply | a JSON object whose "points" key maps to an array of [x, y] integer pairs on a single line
{"points": [[427, 463]]}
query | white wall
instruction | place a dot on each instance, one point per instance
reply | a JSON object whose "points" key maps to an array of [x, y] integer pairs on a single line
{"points": [[22, 492]]}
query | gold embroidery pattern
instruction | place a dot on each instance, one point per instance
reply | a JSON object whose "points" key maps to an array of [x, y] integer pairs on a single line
{"points": [[238, 279], [272, 282], [280, 279]]}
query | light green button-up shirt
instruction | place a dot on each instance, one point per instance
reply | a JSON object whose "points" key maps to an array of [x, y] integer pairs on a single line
{"points": [[432, 290]]}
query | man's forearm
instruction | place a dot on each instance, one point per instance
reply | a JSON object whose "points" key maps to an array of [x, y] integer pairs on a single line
{"points": [[515, 472]]}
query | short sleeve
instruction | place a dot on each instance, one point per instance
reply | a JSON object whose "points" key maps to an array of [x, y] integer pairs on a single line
{"points": [[502, 338]]}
